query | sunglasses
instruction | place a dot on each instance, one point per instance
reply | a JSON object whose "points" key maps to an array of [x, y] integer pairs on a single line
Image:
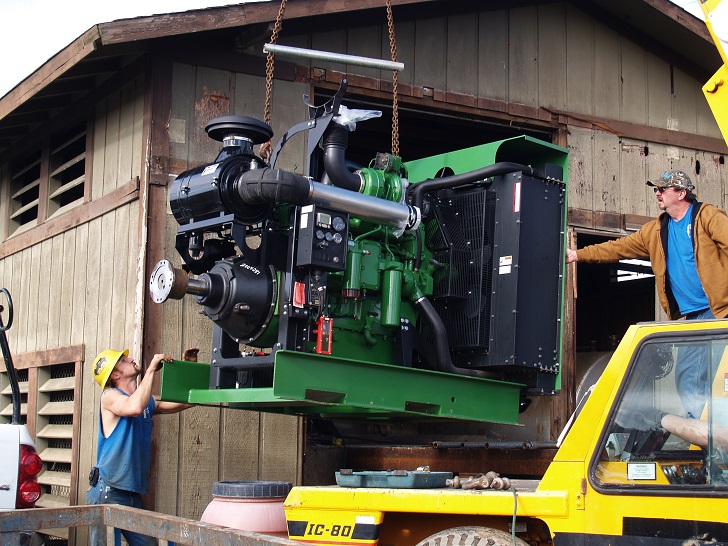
{"points": [[663, 190]]}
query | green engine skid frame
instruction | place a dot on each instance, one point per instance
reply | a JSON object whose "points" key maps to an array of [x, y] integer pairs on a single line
{"points": [[318, 385]]}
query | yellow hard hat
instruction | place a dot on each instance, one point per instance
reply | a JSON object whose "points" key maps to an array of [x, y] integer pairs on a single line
{"points": [[104, 364]]}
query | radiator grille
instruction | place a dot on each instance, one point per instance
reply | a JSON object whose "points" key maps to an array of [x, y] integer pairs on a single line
{"points": [[461, 237]]}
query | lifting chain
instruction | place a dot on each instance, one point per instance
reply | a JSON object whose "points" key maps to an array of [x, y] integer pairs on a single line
{"points": [[395, 102], [265, 149]]}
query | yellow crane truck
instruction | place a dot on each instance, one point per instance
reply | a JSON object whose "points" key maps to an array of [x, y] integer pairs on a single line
{"points": [[629, 469]]}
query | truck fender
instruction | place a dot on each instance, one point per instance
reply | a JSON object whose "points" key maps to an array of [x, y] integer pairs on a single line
{"points": [[472, 536]]}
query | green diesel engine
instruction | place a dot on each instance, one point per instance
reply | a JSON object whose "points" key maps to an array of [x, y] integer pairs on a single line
{"points": [[452, 263]]}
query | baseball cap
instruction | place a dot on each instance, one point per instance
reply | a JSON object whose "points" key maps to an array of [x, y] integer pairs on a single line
{"points": [[673, 179]]}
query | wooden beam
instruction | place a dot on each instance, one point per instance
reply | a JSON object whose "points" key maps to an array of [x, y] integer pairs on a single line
{"points": [[606, 221], [633, 222], [648, 134], [14, 120], [45, 159], [157, 108], [42, 104], [597, 220], [678, 14], [38, 359], [512, 112], [171, 24], [50, 71], [80, 108], [32, 401]]}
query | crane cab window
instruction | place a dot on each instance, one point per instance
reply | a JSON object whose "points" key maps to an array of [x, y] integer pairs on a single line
{"points": [[670, 423]]}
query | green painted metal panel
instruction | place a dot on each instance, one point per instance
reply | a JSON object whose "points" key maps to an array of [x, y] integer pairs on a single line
{"points": [[306, 384], [522, 149], [394, 388], [179, 377]]}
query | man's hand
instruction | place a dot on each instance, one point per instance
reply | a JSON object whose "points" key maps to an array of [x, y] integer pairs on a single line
{"points": [[156, 364], [645, 419], [571, 256], [190, 355]]}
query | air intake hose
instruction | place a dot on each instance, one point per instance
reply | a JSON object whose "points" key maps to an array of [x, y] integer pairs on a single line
{"points": [[264, 186], [335, 143]]}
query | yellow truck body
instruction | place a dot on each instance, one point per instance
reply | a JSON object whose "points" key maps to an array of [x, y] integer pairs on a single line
{"points": [[615, 478]]}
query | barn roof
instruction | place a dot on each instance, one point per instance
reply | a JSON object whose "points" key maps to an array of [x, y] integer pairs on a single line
{"points": [[108, 49]]}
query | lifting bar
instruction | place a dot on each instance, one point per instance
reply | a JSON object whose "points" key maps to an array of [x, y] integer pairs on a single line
{"points": [[333, 57]]}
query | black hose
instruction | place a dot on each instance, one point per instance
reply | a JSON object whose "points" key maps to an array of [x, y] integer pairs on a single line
{"points": [[418, 251], [264, 186], [12, 378], [9, 367], [335, 142], [439, 335], [448, 182]]}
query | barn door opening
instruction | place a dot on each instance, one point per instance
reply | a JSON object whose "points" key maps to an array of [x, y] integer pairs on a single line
{"points": [[610, 297]]}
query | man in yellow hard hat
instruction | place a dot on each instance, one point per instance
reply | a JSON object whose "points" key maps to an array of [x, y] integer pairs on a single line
{"points": [[121, 474]]}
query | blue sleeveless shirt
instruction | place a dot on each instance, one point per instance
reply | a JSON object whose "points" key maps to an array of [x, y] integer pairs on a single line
{"points": [[123, 458]]}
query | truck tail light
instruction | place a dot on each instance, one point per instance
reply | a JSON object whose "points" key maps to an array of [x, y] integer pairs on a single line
{"points": [[28, 488]]}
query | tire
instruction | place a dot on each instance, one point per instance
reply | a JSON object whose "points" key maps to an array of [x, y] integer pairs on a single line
{"points": [[472, 536]]}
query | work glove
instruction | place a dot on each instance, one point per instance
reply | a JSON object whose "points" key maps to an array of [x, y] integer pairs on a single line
{"points": [[643, 419]]}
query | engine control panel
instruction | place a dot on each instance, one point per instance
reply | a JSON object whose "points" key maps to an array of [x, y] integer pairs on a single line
{"points": [[322, 238]]}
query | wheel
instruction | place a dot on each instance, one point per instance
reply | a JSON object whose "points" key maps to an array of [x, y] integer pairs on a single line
{"points": [[472, 536]]}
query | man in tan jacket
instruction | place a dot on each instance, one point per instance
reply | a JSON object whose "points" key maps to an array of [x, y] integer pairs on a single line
{"points": [[688, 248]]}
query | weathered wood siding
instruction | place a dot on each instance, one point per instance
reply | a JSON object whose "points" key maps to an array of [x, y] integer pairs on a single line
{"points": [[80, 287], [211, 444], [608, 173], [118, 143], [557, 58]]}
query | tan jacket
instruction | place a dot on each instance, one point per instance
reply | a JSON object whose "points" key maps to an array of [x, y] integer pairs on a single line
{"points": [[710, 241]]}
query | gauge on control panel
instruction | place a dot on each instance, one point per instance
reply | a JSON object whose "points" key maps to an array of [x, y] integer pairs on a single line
{"points": [[338, 223]]}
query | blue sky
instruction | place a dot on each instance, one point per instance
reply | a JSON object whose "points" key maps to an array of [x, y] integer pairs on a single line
{"points": [[32, 31]]}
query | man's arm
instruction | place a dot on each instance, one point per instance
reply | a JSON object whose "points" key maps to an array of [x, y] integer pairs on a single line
{"points": [[631, 246], [695, 431], [134, 404], [169, 407], [718, 230]]}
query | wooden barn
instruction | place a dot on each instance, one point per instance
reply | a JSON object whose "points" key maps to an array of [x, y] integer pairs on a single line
{"points": [[90, 142]]}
